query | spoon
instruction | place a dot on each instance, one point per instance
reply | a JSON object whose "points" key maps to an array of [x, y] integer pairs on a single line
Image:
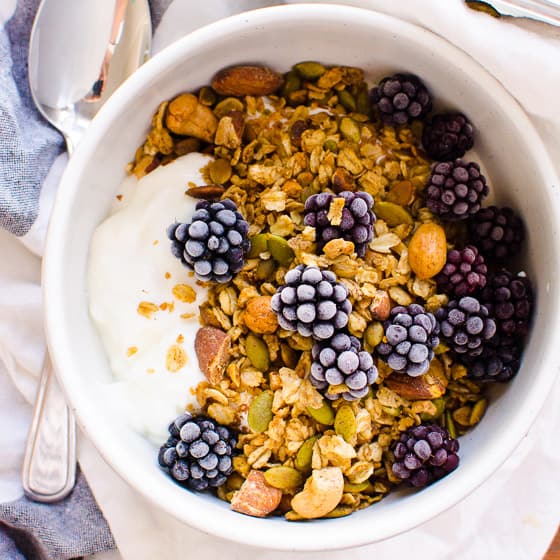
{"points": [[79, 53]]}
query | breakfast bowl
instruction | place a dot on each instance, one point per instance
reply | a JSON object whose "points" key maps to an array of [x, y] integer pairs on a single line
{"points": [[512, 157]]}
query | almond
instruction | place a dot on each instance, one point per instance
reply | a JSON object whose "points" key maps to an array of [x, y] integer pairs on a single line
{"points": [[427, 250], [256, 497], [259, 316], [380, 305], [212, 347], [431, 385], [239, 81], [206, 192]]}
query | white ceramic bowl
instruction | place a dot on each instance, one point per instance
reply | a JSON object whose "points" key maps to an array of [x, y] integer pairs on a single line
{"points": [[519, 171]]}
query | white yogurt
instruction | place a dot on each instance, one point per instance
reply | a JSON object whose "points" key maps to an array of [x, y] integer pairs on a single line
{"points": [[131, 263]]}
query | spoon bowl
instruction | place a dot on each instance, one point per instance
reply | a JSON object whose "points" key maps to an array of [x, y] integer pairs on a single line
{"points": [[79, 54]]}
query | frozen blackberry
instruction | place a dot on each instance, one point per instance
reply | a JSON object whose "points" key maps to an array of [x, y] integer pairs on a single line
{"points": [[509, 299], [401, 98], [198, 453], [465, 326], [347, 215], [424, 454], [214, 244], [447, 136], [497, 232], [341, 363], [499, 361], [311, 302], [455, 189], [411, 335], [464, 272]]}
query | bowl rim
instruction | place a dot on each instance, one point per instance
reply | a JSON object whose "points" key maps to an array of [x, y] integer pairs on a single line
{"points": [[252, 531]]}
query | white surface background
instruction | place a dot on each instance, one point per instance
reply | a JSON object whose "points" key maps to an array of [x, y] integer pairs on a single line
{"points": [[514, 515]]}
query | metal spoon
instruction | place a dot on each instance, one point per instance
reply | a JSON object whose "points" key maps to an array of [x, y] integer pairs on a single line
{"points": [[79, 53]]}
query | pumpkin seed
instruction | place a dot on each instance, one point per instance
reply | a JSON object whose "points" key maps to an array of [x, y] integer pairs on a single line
{"points": [[374, 335], [260, 412], [324, 414], [392, 410], [339, 511], [462, 415], [289, 356], [207, 96], [331, 146], [478, 411], [310, 70], [305, 454], [291, 515], [219, 170], [257, 352], [345, 424], [346, 99], [392, 214], [439, 403], [450, 425], [363, 104], [350, 129], [259, 244], [292, 83], [265, 270], [281, 252], [483, 7], [356, 487], [284, 478], [227, 105]]}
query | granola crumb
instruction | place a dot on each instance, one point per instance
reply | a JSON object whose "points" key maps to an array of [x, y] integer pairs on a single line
{"points": [[146, 309], [184, 293], [335, 211], [176, 358]]}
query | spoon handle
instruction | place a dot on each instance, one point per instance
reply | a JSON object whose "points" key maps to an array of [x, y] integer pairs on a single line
{"points": [[49, 463]]}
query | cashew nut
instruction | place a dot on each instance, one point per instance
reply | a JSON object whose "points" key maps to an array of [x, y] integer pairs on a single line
{"points": [[186, 116], [321, 494]]}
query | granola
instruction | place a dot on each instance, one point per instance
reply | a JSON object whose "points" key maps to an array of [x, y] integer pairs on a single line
{"points": [[315, 132]]}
